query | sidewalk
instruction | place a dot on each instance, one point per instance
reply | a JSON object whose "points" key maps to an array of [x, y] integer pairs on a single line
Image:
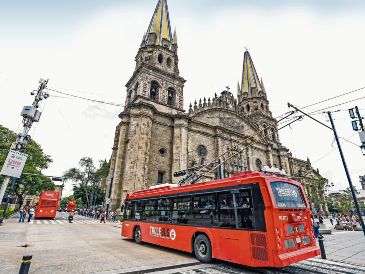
{"points": [[346, 246]]}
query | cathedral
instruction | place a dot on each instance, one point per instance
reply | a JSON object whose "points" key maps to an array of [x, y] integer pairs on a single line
{"points": [[157, 137]]}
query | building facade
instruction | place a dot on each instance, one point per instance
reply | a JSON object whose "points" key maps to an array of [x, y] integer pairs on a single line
{"points": [[157, 137]]}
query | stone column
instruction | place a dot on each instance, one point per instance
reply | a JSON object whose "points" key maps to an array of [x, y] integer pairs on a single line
{"points": [[118, 167], [180, 147], [137, 150], [269, 158]]}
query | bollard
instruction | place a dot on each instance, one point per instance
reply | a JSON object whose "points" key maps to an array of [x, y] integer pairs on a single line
{"points": [[24, 267], [321, 247]]}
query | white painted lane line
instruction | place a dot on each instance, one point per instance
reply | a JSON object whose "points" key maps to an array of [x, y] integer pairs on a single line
{"points": [[77, 222], [60, 222], [38, 222], [52, 222], [45, 222], [31, 222]]}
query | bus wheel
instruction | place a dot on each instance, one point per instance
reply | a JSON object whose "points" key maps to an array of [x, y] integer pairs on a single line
{"points": [[137, 235], [203, 248]]}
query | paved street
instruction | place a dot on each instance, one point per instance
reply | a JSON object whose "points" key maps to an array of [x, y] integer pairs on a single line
{"points": [[90, 247]]}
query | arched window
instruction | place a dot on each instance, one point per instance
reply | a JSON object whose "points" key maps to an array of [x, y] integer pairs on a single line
{"points": [[273, 135], [154, 90], [129, 96], [258, 164], [171, 97], [136, 86]]}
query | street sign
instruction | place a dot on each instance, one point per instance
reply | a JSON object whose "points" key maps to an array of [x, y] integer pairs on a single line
{"points": [[14, 164]]}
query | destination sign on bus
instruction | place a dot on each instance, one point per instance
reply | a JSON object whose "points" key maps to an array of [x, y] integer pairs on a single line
{"points": [[162, 232]]}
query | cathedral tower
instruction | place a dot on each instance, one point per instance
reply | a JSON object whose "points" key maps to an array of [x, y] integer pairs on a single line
{"points": [[156, 76], [253, 99], [147, 144]]}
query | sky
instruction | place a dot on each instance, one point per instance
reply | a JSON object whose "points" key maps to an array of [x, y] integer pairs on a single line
{"points": [[305, 51]]}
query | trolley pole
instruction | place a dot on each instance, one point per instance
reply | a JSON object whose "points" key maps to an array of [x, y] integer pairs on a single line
{"points": [[347, 172], [30, 115]]}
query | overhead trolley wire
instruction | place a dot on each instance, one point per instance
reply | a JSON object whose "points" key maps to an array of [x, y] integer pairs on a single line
{"points": [[84, 98], [334, 97]]}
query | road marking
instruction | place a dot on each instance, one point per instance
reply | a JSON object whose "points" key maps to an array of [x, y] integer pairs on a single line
{"points": [[45, 222], [58, 221], [31, 222], [38, 222], [52, 222], [77, 222]]}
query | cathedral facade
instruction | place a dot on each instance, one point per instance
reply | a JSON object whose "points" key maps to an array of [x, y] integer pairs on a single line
{"points": [[156, 137]]}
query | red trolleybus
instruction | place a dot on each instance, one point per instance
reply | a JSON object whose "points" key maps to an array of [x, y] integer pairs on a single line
{"points": [[47, 205], [71, 205], [253, 218]]}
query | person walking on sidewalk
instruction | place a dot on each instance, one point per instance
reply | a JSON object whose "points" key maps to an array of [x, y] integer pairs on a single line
{"points": [[330, 217], [30, 214], [102, 217], [21, 214]]}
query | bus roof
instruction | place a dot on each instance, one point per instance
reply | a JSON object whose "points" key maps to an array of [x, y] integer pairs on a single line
{"points": [[247, 176]]}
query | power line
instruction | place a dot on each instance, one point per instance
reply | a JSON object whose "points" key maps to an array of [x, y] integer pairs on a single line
{"points": [[334, 97], [87, 99], [340, 104]]}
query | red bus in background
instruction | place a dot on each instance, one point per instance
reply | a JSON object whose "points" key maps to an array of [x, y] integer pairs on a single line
{"points": [[253, 218], [47, 205], [71, 205]]}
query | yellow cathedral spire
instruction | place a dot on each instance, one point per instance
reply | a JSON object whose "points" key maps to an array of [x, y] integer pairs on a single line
{"points": [[250, 79], [160, 23]]}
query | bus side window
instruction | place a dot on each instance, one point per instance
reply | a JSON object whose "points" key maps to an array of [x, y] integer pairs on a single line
{"points": [[128, 211], [181, 211], [150, 212], [226, 217], [164, 210], [244, 209], [205, 210]]}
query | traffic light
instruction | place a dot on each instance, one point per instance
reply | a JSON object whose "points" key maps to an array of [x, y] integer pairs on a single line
{"points": [[180, 173]]}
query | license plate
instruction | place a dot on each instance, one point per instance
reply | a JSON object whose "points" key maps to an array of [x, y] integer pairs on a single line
{"points": [[298, 240]]}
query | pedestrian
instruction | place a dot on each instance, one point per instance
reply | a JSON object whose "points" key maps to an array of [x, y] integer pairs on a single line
{"points": [[30, 214], [330, 217], [316, 230], [102, 217], [21, 214]]}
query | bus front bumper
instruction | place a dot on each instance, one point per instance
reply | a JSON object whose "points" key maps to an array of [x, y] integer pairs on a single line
{"points": [[299, 255]]}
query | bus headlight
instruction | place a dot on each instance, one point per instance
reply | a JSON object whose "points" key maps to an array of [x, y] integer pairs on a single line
{"points": [[40, 210]]}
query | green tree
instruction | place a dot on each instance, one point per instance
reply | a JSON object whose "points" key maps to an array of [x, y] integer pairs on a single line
{"points": [[37, 161], [88, 177]]}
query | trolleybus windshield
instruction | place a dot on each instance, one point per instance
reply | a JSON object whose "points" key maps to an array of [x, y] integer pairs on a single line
{"points": [[287, 195]]}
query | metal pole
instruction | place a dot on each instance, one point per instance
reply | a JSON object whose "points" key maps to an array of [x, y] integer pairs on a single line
{"points": [[220, 176], [24, 267], [321, 247], [3, 187], [347, 172], [7, 200]]}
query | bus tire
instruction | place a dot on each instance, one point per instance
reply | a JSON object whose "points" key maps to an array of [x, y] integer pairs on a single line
{"points": [[203, 248], [137, 235]]}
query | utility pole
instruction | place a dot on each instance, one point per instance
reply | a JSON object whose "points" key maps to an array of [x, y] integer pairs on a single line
{"points": [[16, 159], [347, 172]]}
